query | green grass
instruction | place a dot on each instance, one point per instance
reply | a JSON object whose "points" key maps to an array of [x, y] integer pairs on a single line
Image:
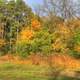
{"points": [[10, 71]]}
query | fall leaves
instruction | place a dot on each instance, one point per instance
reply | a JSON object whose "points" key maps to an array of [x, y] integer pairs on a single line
{"points": [[28, 32], [36, 38], [59, 40], [2, 42], [35, 24]]}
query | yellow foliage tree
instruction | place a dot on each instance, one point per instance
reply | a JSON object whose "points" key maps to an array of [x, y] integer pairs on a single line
{"points": [[73, 24], [77, 48], [58, 45], [2, 42], [64, 31], [26, 34], [62, 36]]}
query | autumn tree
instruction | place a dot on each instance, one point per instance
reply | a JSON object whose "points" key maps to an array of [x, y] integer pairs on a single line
{"points": [[14, 15], [64, 8]]}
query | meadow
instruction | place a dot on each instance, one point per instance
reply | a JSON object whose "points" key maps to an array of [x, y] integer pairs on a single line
{"points": [[10, 71], [25, 69]]}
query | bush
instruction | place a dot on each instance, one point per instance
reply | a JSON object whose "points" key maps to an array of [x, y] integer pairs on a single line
{"points": [[75, 51], [23, 48], [40, 43]]}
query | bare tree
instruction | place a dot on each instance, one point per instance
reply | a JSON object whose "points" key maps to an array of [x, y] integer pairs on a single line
{"points": [[64, 8]]}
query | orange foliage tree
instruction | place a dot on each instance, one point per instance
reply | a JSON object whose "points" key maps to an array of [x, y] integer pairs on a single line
{"points": [[35, 24]]}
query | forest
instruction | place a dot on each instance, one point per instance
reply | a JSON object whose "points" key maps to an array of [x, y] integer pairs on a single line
{"points": [[43, 44]]}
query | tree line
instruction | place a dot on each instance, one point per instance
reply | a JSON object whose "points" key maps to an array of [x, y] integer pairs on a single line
{"points": [[54, 28]]}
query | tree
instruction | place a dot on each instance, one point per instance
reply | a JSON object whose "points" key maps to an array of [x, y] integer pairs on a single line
{"points": [[64, 8], [14, 16]]}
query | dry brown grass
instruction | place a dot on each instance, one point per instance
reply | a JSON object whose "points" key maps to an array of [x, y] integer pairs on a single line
{"points": [[64, 61]]}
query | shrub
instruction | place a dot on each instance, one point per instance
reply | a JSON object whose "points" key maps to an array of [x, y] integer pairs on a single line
{"points": [[40, 43], [23, 48], [76, 44]]}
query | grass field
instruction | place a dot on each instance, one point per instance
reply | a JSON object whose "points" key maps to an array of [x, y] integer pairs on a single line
{"points": [[9, 71]]}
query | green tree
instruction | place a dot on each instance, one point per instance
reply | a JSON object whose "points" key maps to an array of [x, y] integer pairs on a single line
{"points": [[14, 16]]}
